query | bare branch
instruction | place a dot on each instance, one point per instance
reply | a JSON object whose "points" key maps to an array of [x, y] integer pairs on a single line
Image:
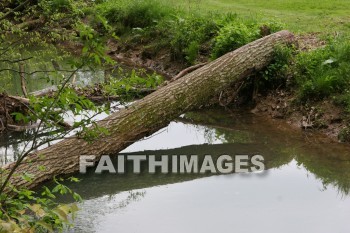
{"points": [[16, 60]]}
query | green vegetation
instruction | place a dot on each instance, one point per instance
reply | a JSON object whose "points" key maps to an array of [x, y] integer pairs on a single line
{"points": [[324, 16], [157, 25], [25, 210], [30, 32], [324, 72], [344, 135], [126, 15], [235, 32], [37, 211], [33, 34], [128, 86]]}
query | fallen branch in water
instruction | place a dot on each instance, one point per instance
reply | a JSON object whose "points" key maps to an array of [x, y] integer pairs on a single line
{"points": [[21, 128]]}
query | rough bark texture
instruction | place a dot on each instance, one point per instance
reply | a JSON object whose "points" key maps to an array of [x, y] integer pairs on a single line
{"points": [[155, 111], [23, 79]]}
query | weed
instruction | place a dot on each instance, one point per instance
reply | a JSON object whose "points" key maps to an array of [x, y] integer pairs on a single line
{"points": [[232, 36], [235, 32], [344, 135], [278, 72], [324, 72], [125, 15]]}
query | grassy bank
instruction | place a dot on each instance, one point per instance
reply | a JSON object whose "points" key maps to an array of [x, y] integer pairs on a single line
{"points": [[325, 16], [188, 35], [196, 31]]}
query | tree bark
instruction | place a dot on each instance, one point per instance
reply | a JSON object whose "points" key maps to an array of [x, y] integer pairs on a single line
{"points": [[188, 70], [153, 112], [23, 79]]}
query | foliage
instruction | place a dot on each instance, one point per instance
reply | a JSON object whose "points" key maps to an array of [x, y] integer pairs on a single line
{"points": [[28, 32], [126, 15], [324, 72], [130, 85], [187, 35], [25, 210], [94, 46], [41, 21], [232, 36], [344, 135], [317, 74], [343, 100], [235, 32], [278, 72], [30, 211], [40, 24], [31, 30]]}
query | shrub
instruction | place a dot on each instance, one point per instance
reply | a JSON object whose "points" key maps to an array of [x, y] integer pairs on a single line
{"points": [[192, 51], [343, 100], [324, 72], [276, 74], [232, 36], [235, 32], [344, 135], [30, 211], [187, 34], [134, 13]]}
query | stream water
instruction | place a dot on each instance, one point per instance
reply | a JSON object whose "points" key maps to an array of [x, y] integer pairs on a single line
{"points": [[305, 187]]}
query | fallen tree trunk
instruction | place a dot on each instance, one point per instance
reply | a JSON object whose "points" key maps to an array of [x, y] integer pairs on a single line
{"points": [[153, 112], [47, 91]]}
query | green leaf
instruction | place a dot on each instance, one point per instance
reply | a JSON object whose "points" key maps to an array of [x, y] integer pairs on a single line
{"points": [[45, 225]]}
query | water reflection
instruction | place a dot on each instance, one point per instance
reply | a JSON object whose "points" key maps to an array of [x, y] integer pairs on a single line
{"points": [[327, 160], [285, 201], [305, 188], [95, 208], [47, 68]]}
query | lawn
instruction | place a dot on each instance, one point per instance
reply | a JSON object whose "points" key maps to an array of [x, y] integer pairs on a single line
{"points": [[326, 16]]}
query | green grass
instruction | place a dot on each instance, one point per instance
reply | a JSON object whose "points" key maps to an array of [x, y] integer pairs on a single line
{"points": [[299, 16], [325, 16], [325, 72], [156, 25]]}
